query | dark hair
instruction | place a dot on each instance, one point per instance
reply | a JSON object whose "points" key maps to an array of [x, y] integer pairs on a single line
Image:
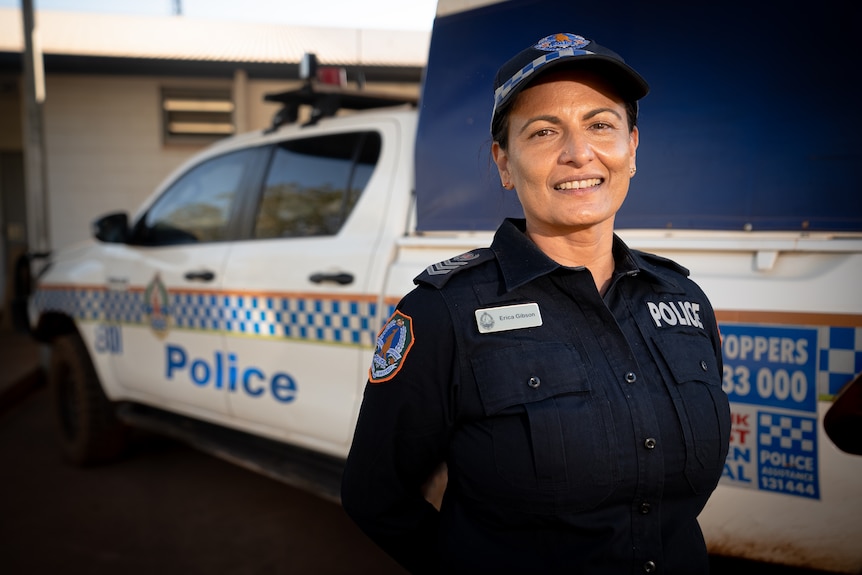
{"points": [[500, 124]]}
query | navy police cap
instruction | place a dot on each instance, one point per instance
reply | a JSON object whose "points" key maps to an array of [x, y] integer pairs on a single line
{"points": [[569, 49]]}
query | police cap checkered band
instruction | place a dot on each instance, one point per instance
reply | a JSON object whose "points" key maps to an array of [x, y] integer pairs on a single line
{"points": [[569, 49]]}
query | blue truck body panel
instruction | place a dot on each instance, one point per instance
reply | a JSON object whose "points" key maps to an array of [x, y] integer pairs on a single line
{"points": [[752, 121]]}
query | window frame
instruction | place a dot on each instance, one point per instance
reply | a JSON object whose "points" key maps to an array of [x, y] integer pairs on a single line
{"points": [[238, 211], [252, 206]]}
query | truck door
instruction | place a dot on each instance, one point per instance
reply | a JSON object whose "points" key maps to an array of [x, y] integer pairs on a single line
{"points": [[163, 288], [304, 298]]}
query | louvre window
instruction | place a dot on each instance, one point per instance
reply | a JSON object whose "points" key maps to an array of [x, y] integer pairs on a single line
{"points": [[196, 115]]}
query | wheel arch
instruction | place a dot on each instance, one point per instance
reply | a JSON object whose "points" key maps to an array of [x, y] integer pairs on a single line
{"points": [[53, 324]]}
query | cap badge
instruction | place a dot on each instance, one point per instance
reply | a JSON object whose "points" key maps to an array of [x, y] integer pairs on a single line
{"points": [[557, 42]]}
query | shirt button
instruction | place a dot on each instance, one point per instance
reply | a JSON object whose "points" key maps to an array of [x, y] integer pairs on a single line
{"points": [[703, 365], [649, 567], [650, 443], [645, 508], [534, 382], [631, 377]]}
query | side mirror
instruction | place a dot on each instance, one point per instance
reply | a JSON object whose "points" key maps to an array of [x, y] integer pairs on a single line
{"points": [[112, 228]]}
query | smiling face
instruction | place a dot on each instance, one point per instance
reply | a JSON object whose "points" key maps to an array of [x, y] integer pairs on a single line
{"points": [[569, 154]]}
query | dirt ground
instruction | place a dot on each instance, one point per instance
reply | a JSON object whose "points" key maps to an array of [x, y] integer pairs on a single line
{"points": [[167, 509]]}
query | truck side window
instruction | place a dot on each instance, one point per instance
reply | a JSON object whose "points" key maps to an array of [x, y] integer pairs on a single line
{"points": [[314, 183], [198, 206]]}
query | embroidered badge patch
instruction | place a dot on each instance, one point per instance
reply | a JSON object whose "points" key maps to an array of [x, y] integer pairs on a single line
{"points": [[393, 343]]}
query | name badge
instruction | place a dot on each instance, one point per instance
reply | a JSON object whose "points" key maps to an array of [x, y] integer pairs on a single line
{"points": [[508, 317]]}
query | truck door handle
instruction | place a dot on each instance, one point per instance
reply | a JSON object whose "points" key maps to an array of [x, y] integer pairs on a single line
{"points": [[342, 278], [200, 276]]}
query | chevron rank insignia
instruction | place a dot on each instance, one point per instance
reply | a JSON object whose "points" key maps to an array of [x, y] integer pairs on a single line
{"points": [[447, 266], [437, 274]]}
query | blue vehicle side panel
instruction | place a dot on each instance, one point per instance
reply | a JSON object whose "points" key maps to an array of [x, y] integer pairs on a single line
{"points": [[751, 122]]}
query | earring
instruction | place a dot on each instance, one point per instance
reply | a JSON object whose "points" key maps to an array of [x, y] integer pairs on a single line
{"points": [[633, 171]]}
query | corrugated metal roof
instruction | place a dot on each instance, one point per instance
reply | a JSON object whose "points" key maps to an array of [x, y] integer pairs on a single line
{"points": [[181, 38]]}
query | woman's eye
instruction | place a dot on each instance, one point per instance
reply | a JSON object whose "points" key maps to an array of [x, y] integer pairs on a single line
{"points": [[543, 132]]}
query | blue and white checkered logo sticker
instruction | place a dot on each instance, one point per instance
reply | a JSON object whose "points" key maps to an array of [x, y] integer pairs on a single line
{"points": [[788, 432]]}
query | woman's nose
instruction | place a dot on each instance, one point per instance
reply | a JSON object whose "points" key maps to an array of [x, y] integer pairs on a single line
{"points": [[576, 150]]}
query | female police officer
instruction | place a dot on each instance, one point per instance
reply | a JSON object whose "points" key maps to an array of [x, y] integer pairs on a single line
{"points": [[571, 385]]}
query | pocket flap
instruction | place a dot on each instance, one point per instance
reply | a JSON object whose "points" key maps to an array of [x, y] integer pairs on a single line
{"points": [[528, 373], [689, 355]]}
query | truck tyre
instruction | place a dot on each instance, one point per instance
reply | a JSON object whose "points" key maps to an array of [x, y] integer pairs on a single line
{"points": [[88, 429]]}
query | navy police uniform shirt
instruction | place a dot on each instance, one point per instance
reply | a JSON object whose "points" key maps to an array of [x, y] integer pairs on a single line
{"points": [[582, 434]]}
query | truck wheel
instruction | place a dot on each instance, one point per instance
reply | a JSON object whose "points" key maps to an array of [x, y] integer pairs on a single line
{"points": [[87, 425]]}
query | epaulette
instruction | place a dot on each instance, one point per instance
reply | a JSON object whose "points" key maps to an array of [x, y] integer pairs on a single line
{"points": [[438, 274], [663, 262]]}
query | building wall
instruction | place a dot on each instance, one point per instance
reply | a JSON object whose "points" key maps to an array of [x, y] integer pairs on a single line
{"points": [[104, 149]]}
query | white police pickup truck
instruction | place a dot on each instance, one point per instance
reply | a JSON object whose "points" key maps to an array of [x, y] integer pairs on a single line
{"points": [[237, 309]]}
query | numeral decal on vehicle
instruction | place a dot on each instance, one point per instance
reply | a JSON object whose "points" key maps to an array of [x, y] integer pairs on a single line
{"points": [[109, 339]]}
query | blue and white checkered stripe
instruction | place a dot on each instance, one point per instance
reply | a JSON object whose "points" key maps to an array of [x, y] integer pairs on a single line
{"points": [[85, 304], [121, 306], [506, 88], [338, 321], [840, 356], [315, 318], [319, 319]]}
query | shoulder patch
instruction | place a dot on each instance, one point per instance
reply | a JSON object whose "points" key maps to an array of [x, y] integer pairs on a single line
{"points": [[438, 274], [393, 344], [663, 262]]}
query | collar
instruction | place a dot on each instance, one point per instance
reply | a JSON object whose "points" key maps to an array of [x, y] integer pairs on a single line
{"points": [[521, 261]]}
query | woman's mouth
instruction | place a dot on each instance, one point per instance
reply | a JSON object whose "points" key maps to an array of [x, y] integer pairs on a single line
{"points": [[578, 184]]}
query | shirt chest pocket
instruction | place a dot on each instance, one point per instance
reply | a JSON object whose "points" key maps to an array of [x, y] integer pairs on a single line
{"points": [[550, 430], [702, 405]]}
